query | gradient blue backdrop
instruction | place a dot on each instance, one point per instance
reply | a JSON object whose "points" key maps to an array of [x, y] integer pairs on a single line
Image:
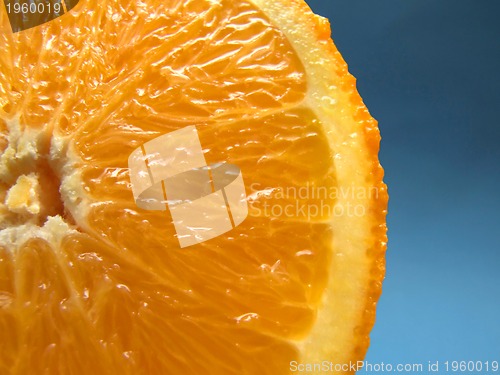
{"points": [[429, 71]]}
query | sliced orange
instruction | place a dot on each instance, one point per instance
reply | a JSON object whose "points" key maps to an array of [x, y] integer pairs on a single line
{"points": [[92, 284]]}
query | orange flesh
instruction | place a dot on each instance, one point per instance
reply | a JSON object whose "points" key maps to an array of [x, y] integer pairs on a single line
{"points": [[119, 296], [115, 294]]}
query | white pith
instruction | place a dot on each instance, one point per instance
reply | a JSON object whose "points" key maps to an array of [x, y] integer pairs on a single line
{"points": [[332, 337], [22, 208]]}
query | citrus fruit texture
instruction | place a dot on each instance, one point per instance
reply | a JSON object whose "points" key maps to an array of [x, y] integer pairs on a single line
{"points": [[92, 284]]}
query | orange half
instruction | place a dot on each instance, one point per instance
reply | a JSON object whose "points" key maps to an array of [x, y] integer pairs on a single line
{"points": [[92, 284]]}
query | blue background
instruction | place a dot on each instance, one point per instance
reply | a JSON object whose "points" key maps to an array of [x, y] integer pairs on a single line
{"points": [[429, 72]]}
